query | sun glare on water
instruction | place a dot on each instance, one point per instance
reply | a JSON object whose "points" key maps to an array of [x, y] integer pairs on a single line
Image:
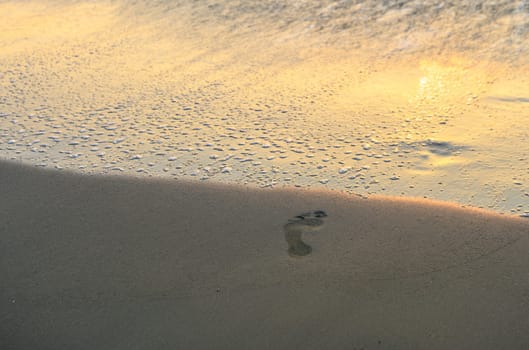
{"points": [[115, 88]]}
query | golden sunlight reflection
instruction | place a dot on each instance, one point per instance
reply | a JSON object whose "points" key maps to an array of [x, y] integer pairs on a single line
{"points": [[34, 25], [421, 86], [442, 84], [107, 87]]}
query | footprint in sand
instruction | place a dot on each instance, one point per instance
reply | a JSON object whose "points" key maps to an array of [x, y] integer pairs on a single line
{"points": [[311, 221]]}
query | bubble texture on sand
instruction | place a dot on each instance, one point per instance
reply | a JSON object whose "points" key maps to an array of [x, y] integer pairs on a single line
{"points": [[367, 97]]}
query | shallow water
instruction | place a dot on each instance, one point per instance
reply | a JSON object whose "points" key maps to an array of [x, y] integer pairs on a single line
{"points": [[400, 98]]}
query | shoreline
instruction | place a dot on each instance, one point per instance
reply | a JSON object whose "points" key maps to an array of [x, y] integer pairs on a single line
{"points": [[264, 175], [228, 184], [148, 89], [123, 263]]}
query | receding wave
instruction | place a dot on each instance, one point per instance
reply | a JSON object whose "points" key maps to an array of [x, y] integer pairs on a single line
{"points": [[413, 98], [492, 29]]}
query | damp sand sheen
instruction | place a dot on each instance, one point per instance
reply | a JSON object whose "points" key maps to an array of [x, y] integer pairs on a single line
{"points": [[264, 175], [417, 99]]}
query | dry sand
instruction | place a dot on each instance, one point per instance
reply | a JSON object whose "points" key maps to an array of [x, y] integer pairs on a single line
{"points": [[91, 262]]}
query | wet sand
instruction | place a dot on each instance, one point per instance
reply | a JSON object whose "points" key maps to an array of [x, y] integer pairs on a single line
{"points": [[92, 262], [396, 99]]}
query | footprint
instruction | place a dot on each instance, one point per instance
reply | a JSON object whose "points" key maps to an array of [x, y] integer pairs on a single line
{"points": [[311, 221]]}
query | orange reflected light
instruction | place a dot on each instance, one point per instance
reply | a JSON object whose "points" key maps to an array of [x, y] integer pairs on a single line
{"points": [[440, 85]]}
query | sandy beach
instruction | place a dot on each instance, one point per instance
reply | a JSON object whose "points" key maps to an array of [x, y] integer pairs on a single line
{"points": [[95, 262], [263, 174], [397, 99]]}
